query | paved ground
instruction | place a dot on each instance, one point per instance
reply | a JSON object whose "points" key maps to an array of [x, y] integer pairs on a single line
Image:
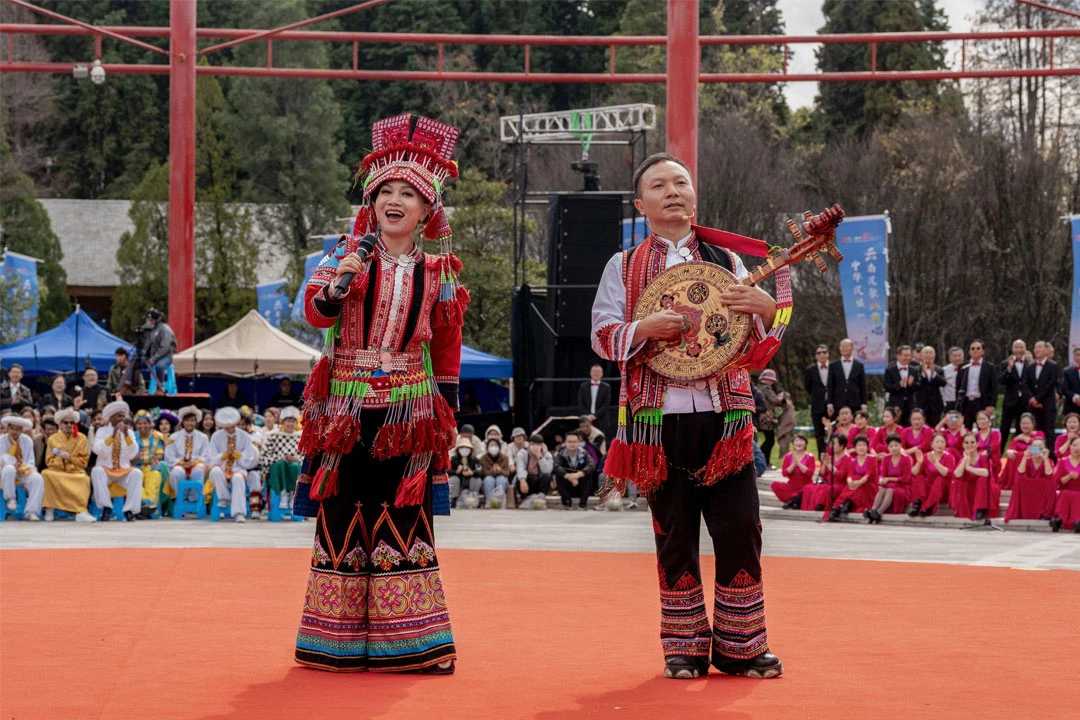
{"points": [[629, 531]]}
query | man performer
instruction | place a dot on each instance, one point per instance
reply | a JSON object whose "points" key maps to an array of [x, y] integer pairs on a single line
{"points": [[231, 454], [948, 393], [1012, 390], [67, 486], [689, 446], [115, 447], [900, 380], [594, 398], [816, 382], [1070, 386], [17, 465], [1039, 387], [976, 385], [188, 450], [847, 381]]}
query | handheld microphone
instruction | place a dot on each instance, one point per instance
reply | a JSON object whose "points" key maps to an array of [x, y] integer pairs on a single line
{"points": [[367, 244]]}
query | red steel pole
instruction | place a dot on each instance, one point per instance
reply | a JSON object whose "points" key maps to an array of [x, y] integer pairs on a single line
{"points": [[683, 69], [182, 59]]}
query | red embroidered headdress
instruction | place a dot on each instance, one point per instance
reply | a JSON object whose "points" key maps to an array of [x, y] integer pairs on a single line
{"points": [[416, 150]]}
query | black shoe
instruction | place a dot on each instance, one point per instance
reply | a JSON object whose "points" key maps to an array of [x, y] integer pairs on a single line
{"points": [[129, 516], [866, 514], [819, 508], [106, 514], [915, 508], [683, 667], [1056, 523], [834, 514], [847, 507], [440, 668], [147, 513], [762, 667], [980, 514]]}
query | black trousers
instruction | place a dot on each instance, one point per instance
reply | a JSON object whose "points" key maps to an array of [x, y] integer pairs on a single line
{"points": [[820, 436], [767, 445], [1010, 421], [537, 484], [730, 510], [585, 489]]}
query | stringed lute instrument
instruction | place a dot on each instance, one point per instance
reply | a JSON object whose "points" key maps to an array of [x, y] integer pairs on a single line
{"points": [[714, 337]]}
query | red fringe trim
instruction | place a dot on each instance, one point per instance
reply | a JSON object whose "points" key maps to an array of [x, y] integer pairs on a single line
{"points": [[411, 490], [449, 313], [310, 438], [431, 229], [455, 263], [324, 484], [406, 438], [762, 353], [730, 455], [318, 384], [341, 434], [620, 460], [650, 467]]}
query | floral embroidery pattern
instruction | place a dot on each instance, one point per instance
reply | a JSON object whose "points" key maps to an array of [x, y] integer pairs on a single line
{"points": [[421, 553], [385, 557], [319, 556], [356, 558]]}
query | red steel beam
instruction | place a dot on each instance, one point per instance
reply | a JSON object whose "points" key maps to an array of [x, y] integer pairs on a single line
{"points": [[683, 70], [255, 35], [91, 29], [1051, 8], [182, 64]]}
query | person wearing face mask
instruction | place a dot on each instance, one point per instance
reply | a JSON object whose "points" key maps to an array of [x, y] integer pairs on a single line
{"points": [[464, 470], [496, 468], [534, 465]]}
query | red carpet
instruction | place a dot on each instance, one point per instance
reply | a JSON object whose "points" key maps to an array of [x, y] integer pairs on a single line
{"points": [[209, 634]]}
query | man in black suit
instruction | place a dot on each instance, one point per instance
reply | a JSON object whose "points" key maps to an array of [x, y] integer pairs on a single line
{"points": [[1070, 386], [847, 381], [900, 379], [928, 384], [1040, 385], [1011, 383], [816, 382], [976, 385], [594, 398]]}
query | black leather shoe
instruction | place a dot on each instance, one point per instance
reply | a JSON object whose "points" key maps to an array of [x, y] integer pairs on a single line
{"points": [[129, 516], [979, 514], [684, 667], [847, 507], [834, 514], [762, 667], [106, 514], [876, 515], [915, 508], [1055, 524]]}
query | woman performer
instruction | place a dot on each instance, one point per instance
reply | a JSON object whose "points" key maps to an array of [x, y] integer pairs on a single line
{"points": [[931, 477], [971, 494], [989, 439], [894, 482], [378, 418], [843, 426], [918, 436], [1067, 475], [889, 426], [862, 482], [1034, 488], [833, 476], [862, 427], [955, 432], [1017, 446], [1071, 423], [798, 467]]}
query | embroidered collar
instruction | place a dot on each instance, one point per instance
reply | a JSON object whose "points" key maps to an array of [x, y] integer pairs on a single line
{"points": [[386, 256], [690, 242]]}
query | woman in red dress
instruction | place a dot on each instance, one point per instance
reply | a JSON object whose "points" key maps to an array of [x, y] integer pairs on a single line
{"points": [[862, 427], [1017, 446], [894, 482], [880, 446], [918, 436], [1067, 475], [1034, 488], [970, 474], [953, 428], [931, 476], [862, 483], [989, 441], [1071, 423], [833, 476], [798, 467], [843, 425]]}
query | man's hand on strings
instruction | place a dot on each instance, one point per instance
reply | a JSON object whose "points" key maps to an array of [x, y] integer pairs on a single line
{"points": [[663, 325], [752, 300]]}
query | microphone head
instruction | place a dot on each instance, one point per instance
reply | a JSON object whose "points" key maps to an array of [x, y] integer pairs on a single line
{"points": [[367, 242]]}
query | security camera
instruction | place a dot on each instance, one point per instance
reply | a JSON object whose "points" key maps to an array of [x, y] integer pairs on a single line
{"points": [[97, 73]]}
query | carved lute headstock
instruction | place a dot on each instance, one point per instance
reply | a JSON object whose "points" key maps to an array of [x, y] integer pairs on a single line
{"points": [[819, 240]]}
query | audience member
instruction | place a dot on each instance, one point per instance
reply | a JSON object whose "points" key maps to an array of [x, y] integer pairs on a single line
{"points": [[285, 397], [17, 465], [575, 474], [1012, 389], [207, 426], [234, 397], [949, 396], [57, 396], [596, 442], [974, 495], [798, 468], [114, 383], [115, 447], [1067, 476], [534, 467], [1040, 384], [847, 381], [160, 346], [281, 456], [150, 462], [1017, 447], [889, 426], [251, 423], [188, 453], [13, 392], [816, 383], [900, 379], [518, 441], [1034, 490], [496, 470], [977, 390], [94, 395], [894, 482], [494, 432], [928, 386], [785, 425], [468, 432], [1071, 424], [862, 486], [594, 398], [1070, 386], [67, 486], [931, 477], [464, 470], [231, 455], [49, 427], [469, 404]]}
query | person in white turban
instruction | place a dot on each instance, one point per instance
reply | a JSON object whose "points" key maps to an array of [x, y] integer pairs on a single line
{"points": [[67, 486], [17, 465], [189, 452], [231, 454], [115, 447]]}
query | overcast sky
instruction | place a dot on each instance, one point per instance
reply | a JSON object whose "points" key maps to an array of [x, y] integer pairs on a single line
{"points": [[803, 17]]}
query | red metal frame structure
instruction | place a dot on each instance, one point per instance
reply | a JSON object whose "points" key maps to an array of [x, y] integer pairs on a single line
{"points": [[682, 75]]}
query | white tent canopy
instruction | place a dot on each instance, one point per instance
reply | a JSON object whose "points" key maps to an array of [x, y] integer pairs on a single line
{"points": [[250, 347]]}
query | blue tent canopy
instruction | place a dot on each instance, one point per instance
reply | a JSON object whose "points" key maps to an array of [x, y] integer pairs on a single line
{"points": [[476, 365], [64, 348]]}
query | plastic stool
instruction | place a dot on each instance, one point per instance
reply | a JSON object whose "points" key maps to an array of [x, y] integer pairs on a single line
{"points": [[216, 512], [117, 509], [181, 506], [276, 513], [20, 498]]}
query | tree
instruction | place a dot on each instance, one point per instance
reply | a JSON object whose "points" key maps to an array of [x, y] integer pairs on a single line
{"points": [[143, 255], [26, 229]]}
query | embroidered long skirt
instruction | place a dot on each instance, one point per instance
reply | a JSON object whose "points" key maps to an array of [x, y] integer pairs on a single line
{"points": [[374, 596], [730, 510]]}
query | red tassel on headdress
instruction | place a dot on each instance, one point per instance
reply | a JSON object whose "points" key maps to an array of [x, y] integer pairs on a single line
{"points": [[455, 263], [363, 224], [318, 384], [431, 228], [411, 490], [730, 455]]}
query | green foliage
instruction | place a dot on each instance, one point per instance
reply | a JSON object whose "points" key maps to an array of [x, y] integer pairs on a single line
{"points": [[16, 304], [26, 229], [143, 255]]}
